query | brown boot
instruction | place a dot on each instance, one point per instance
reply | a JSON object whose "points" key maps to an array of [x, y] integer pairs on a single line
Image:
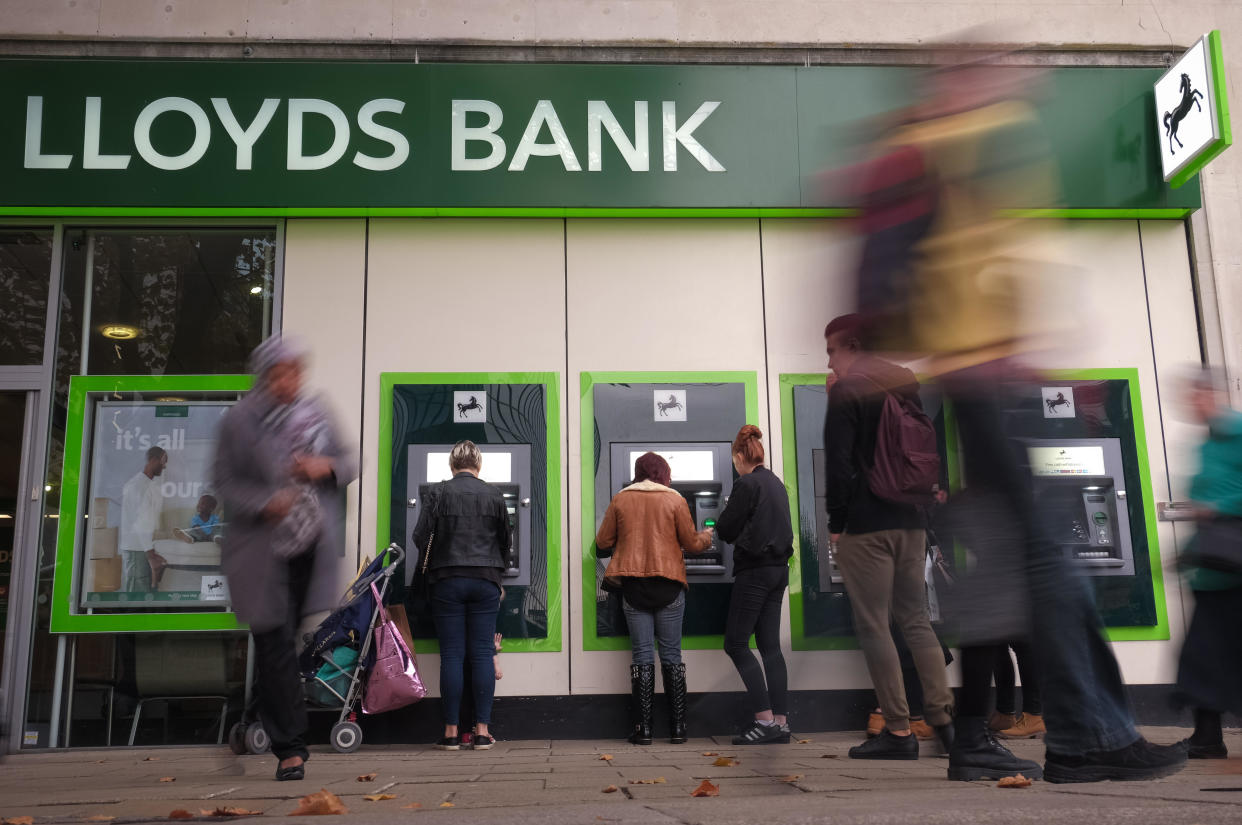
{"points": [[1030, 726], [922, 730], [1001, 721], [875, 724]]}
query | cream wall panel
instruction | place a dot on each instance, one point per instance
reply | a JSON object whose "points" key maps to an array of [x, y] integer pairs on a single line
{"points": [[324, 283], [656, 295], [470, 295]]}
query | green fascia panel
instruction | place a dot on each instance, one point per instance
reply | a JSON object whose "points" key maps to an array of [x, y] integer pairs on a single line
{"points": [[65, 618], [552, 413], [590, 639], [1176, 213]]}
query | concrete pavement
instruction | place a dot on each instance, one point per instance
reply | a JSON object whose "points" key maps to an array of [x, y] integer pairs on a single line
{"points": [[563, 781]]}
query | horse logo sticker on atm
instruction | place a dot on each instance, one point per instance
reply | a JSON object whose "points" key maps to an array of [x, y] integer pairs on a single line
{"points": [[1058, 402], [470, 407], [670, 405]]}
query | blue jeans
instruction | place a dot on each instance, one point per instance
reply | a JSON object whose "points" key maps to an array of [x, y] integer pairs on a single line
{"points": [[648, 625], [465, 611], [1085, 703]]}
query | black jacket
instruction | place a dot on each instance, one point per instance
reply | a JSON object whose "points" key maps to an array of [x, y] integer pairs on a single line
{"points": [[471, 524], [756, 521], [850, 427]]}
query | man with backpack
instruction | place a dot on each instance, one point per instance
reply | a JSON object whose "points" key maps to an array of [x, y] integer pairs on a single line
{"points": [[875, 441]]}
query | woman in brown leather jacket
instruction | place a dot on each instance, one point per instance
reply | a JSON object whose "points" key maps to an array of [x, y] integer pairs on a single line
{"points": [[648, 523]]}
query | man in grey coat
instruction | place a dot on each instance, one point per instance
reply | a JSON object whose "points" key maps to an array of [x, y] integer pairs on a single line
{"points": [[280, 468]]}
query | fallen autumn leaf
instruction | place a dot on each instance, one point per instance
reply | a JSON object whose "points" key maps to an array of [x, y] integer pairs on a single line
{"points": [[412, 805], [18, 820], [367, 777], [181, 813], [379, 797], [706, 788], [793, 777], [223, 811], [605, 757], [804, 741], [710, 753], [1018, 781], [321, 803], [446, 804], [611, 789], [659, 780], [168, 779], [726, 762]]}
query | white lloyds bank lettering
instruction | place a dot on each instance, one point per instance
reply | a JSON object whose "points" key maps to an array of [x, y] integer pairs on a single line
{"points": [[463, 134], [400, 145], [684, 135], [544, 114], [636, 154], [35, 159], [299, 107], [245, 138], [142, 133], [91, 156]]}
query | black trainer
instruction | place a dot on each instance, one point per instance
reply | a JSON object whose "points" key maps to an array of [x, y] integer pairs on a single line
{"points": [[887, 745], [1141, 760], [761, 734]]}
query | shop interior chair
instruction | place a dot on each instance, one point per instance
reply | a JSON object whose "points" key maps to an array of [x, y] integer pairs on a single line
{"points": [[178, 666]]}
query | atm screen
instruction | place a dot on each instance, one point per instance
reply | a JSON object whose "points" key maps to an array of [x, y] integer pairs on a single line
{"points": [[685, 465]]}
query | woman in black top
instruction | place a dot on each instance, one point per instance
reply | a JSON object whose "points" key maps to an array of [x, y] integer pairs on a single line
{"points": [[465, 522], [756, 522]]}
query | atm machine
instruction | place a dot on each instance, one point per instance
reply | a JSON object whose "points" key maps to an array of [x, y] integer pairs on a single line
{"points": [[830, 578], [692, 425], [506, 467], [1080, 498]]}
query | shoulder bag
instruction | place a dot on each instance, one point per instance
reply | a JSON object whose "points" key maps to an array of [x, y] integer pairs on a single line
{"points": [[393, 681]]}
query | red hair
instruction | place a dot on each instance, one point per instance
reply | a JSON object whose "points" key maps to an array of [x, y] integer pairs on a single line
{"points": [[749, 444], [652, 467]]}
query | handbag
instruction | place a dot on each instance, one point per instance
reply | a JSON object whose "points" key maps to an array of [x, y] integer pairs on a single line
{"points": [[1217, 546], [299, 530], [421, 587], [393, 681]]}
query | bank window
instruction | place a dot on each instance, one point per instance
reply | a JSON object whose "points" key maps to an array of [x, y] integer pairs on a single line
{"points": [[166, 301], [25, 274]]}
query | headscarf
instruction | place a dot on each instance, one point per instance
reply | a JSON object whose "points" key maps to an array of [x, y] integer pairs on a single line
{"points": [[277, 349]]}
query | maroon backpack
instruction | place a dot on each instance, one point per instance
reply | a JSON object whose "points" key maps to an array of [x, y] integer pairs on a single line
{"points": [[906, 464]]}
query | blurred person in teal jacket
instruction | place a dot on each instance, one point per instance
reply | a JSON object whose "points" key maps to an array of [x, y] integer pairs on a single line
{"points": [[1209, 675]]}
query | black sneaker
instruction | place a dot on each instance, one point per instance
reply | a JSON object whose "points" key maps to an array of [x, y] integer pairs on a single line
{"points": [[483, 742], [1141, 760], [761, 734], [448, 743], [887, 746]]}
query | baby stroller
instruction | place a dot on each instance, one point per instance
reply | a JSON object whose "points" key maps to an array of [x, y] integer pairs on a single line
{"points": [[335, 660]]}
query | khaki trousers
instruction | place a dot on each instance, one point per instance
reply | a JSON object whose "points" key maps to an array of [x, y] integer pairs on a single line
{"points": [[883, 574]]}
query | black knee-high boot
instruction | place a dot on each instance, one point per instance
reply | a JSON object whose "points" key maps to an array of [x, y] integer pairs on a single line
{"points": [[642, 686], [1208, 740], [675, 692]]}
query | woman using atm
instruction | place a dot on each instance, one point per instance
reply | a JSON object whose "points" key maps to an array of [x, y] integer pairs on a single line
{"points": [[756, 522], [645, 528]]}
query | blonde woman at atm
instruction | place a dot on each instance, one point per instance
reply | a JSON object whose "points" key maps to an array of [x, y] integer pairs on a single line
{"points": [[645, 528]]}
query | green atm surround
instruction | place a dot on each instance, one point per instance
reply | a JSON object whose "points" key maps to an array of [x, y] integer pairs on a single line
{"points": [[1157, 631], [591, 640], [387, 505]]}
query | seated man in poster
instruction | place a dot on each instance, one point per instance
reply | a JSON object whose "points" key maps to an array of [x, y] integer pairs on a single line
{"points": [[141, 504]]}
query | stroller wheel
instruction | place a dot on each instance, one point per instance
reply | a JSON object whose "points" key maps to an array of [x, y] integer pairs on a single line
{"points": [[237, 739], [346, 737], [257, 740]]}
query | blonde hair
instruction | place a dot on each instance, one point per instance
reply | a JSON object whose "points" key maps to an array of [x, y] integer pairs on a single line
{"points": [[465, 456]]}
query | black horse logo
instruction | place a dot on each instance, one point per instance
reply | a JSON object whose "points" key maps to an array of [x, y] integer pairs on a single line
{"points": [[671, 404], [1190, 95], [473, 404], [1059, 401], [216, 585]]}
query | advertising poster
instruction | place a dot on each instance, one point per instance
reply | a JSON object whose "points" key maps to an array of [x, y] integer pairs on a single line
{"points": [[154, 526]]}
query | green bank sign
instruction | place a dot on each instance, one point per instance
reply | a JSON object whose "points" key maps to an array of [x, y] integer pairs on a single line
{"points": [[386, 138]]}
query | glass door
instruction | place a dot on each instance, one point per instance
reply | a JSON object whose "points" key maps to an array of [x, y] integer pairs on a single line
{"points": [[12, 437]]}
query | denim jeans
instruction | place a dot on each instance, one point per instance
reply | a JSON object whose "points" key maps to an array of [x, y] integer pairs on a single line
{"points": [[465, 611], [1085, 703], [648, 625], [755, 607]]}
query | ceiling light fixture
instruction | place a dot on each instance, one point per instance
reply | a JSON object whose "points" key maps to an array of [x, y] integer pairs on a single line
{"points": [[119, 332], [255, 290]]}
